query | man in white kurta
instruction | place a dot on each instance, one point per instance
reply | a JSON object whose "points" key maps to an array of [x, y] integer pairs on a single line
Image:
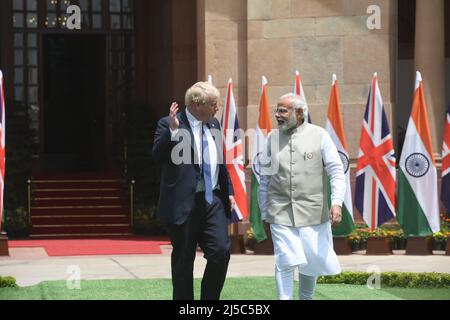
{"points": [[293, 198]]}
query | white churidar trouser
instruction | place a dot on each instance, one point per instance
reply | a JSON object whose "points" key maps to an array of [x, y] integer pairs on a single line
{"points": [[310, 249], [285, 285]]}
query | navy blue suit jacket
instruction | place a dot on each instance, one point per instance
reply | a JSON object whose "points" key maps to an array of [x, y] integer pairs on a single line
{"points": [[179, 181]]}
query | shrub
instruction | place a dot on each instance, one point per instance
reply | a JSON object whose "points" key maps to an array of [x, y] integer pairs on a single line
{"points": [[145, 222], [439, 236], [7, 282], [17, 223], [392, 279]]}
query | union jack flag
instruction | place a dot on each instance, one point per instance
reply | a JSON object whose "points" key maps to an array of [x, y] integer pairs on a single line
{"points": [[445, 192], [234, 158], [375, 176], [2, 145]]}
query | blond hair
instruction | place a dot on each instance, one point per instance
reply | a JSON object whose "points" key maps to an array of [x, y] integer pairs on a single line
{"points": [[202, 93]]}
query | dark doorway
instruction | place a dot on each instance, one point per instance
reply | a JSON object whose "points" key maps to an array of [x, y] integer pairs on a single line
{"points": [[74, 102]]}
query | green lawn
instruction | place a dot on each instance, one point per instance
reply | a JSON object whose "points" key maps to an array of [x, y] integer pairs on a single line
{"points": [[258, 288]]}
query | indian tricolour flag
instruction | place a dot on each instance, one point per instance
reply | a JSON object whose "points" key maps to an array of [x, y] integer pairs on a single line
{"points": [[418, 208], [335, 128], [298, 90], [263, 128]]}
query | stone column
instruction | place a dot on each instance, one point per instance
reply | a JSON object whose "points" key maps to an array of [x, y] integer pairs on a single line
{"points": [[429, 59]]}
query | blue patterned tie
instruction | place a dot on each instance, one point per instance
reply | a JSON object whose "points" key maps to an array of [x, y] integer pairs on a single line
{"points": [[206, 166]]}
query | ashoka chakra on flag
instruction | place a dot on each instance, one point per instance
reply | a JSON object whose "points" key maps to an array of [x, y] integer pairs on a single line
{"points": [[345, 161], [417, 165]]}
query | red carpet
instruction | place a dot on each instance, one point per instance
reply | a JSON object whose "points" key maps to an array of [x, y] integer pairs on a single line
{"points": [[79, 247]]}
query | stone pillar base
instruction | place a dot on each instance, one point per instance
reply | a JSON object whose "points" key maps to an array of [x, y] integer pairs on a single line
{"points": [[237, 244], [4, 251], [379, 246], [420, 246], [341, 245]]}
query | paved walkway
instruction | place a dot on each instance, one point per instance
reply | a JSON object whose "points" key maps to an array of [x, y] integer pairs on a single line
{"points": [[32, 265]]}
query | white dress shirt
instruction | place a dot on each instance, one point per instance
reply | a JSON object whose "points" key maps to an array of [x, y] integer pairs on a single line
{"points": [[196, 126], [333, 167]]}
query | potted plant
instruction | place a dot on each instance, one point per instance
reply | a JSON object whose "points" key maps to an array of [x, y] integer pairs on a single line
{"points": [[439, 241], [445, 229], [17, 223], [342, 245], [447, 240], [250, 241], [419, 245], [379, 242], [398, 240], [353, 239], [364, 234]]}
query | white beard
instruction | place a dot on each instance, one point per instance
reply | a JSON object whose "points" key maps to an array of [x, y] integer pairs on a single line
{"points": [[288, 125]]}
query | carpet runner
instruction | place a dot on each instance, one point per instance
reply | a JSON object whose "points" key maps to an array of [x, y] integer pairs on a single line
{"points": [[79, 247]]}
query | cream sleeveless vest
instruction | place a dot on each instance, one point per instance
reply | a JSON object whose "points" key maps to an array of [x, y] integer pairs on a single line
{"points": [[297, 193]]}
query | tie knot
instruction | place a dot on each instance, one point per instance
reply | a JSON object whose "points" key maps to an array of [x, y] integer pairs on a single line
{"points": [[205, 127]]}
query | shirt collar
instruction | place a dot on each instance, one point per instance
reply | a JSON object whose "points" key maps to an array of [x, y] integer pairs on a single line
{"points": [[300, 127], [304, 124], [193, 121]]}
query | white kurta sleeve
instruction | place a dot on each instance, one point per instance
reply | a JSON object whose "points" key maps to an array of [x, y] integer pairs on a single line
{"points": [[264, 178], [262, 195], [335, 170]]}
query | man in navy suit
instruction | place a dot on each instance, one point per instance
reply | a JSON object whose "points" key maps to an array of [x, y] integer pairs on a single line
{"points": [[196, 195]]}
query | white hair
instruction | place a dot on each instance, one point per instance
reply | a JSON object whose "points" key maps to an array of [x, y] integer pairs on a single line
{"points": [[296, 102], [202, 93]]}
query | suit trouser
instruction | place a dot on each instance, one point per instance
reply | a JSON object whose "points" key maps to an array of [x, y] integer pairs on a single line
{"points": [[207, 225]]}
